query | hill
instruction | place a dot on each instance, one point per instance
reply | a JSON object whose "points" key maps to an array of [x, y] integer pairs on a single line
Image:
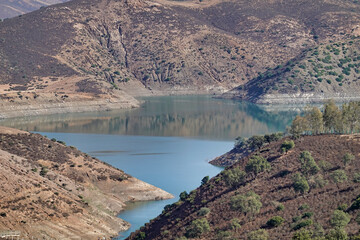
{"points": [[53, 191], [310, 191], [327, 71], [9, 8], [103, 49]]}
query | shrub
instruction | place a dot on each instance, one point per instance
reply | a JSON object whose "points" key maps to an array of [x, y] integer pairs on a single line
{"points": [[348, 157], [197, 227], [43, 171], [257, 164], [183, 195], [204, 180], [342, 207], [300, 184], [260, 234], [304, 207], [355, 205], [336, 234], [246, 203], [203, 211], [302, 224], [303, 234], [307, 215], [287, 145], [356, 178], [339, 219], [318, 182], [325, 166], [140, 236], [234, 177], [338, 176], [308, 164], [235, 224], [275, 221], [222, 235], [280, 207]]}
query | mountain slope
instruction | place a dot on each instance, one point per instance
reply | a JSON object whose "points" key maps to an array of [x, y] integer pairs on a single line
{"points": [[11, 8], [103, 48], [218, 200], [327, 71], [49, 190]]}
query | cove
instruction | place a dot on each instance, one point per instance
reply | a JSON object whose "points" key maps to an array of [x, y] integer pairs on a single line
{"points": [[167, 142]]}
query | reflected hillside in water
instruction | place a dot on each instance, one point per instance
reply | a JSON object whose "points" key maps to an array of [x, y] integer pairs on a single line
{"points": [[185, 116]]}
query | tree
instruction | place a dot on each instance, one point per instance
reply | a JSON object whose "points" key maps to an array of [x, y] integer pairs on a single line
{"points": [[260, 234], [183, 195], [234, 177], [303, 234], [339, 219], [308, 164], [300, 184], [351, 116], [298, 126], [332, 117], [246, 203], [257, 164], [336, 234], [314, 118], [197, 227]]}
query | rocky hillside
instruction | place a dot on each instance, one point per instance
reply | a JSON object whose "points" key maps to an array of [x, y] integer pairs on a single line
{"points": [[308, 192], [326, 71], [107, 48], [11, 8], [53, 191]]}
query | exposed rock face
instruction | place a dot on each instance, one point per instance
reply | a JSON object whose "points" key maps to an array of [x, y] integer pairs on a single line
{"points": [[49, 190]]}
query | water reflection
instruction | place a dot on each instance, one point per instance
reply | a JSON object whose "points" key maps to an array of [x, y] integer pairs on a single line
{"points": [[186, 116]]}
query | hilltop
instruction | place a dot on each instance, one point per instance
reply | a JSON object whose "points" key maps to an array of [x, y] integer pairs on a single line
{"points": [[50, 190], [118, 49], [309, 192], [10, 8], [327, 71]]}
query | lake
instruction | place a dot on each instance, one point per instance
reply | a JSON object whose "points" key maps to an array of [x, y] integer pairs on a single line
{"points": [[167, 142]]}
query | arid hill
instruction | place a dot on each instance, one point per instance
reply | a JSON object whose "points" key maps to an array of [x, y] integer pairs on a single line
{"points": [[103, 49], [313, 196], [49, 190], [327, 71], [11, 8]]}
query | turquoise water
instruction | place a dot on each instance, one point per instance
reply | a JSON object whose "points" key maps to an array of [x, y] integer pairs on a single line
{"points": [[167, 142]]}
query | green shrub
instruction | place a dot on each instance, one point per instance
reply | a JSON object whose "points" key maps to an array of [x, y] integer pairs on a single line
{"points": [[302, 224], [343, 207], [304, 207], [300, 184], [325, 166], [356, 178], [235, 224], [203, 211], [260, 234], [287, 145], [197, 227], [318, 181], [280, 207], [275, 221], [338, 176], [336, 234], [183, 195], [307, 215], [348, 157], [246, 203], [234, 177], [308, 164], [355, 205], [204, 180], [140, 236], [257, 164], [339, 219], [223, 235], [303, 234]]}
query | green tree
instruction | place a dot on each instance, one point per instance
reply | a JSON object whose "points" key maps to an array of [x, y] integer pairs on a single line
{"points": [[204, 180], [183, 195], [300, 184], [257, 164], [298, 126], [197, 227], [337, 234], [260, 234], [235, 224], [314, 118], [332, 117], [303, 234], [234, 177], [339, 219], [351, 116], [246, 203], [308, 164]]}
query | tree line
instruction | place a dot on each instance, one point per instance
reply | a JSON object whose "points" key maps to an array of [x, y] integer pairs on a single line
{"points": [[331, 120]]}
